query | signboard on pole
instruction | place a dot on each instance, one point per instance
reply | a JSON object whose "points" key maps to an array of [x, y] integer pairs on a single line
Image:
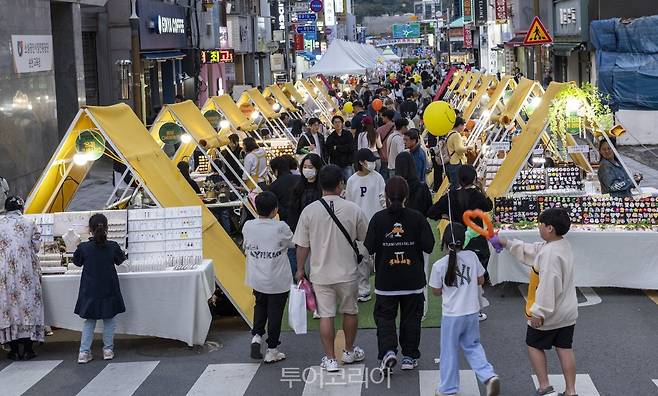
{"points": [[537, 34], [316, 5], [301, 6], [467, 10], [306, 29], [307, 17], [481, 12], [501, 11]]}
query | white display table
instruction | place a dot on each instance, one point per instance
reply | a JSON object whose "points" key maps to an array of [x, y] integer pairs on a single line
{"points": [[603, 258], [166, 304]]}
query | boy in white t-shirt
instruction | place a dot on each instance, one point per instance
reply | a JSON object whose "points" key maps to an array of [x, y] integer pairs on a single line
{"points": [[266, 243], [366, 189], [456, 277]]}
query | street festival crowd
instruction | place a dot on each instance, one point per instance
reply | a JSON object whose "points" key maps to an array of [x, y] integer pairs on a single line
{"points": [[354, 202]]}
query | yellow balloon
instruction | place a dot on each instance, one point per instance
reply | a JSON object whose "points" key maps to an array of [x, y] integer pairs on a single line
{"points": [[439, 118], [348, 107], [417, 78]]}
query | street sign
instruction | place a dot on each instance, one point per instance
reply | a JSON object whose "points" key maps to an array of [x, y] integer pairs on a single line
{"points": [[307, 17], [328, 31], [301, 6], [537, 34], [306, 29], [316, 5]]}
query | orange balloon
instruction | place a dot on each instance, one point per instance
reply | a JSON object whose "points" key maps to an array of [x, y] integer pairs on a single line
{"points": [[477, 213], [377, 104]]}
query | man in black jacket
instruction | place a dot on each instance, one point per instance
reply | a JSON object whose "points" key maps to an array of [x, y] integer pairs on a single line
{"points": [[340, 147], [233, 170], [312, 140], [283, 185]]}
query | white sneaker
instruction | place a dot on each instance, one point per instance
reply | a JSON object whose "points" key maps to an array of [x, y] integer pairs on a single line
{"points": [[364, 297], [493, 386], [108, 354], [482, 316], [315, 315], [85, 357], [273, 355], [331, 365], [356, 355]]}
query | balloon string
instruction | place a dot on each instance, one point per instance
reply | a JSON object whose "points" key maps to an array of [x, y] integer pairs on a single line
{"points": [[452, 233]]}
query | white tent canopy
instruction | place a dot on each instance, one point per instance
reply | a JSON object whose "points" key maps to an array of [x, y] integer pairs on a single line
{"points": [[389, 55], [345, 57]]}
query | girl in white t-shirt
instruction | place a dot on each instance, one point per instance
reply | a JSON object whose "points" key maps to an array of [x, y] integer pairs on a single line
{"points": [[366, 189], [457, 277]]}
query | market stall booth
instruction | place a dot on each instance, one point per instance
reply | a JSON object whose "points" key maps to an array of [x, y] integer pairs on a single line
{"points": [[266, 113], [461, 99], [184, 123], [116, 132], [277, 93], [229, 113], [455, 78], [475, 101], [324, 95], [313, 102]]}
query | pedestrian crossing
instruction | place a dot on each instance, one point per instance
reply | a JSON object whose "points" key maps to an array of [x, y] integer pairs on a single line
{"points": [[234, 379], [655, 382]]}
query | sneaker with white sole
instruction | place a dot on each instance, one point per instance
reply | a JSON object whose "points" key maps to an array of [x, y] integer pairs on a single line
{"points": [[388, 362], [356, 355], [108, 354], [482, 316], [364, 297], [331, 365], [493, 386], [316, 315], [85, 357], [273, 355], [408, 363], [255, 347]]}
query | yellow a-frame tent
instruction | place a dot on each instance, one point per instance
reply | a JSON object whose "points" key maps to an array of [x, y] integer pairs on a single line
{"points": [[323, 93], [533, 131], [231, 112], [474, 101], [130, 142], [463, 98], [275, 92], [456, 79], [256, 98]]}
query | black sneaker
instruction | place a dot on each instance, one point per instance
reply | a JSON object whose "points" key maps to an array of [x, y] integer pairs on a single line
{"points": [[13, 356]]}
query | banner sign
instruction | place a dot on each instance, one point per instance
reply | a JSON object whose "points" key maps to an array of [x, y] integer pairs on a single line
{"points": [[481, 12], [501, 11], [32, 53]]}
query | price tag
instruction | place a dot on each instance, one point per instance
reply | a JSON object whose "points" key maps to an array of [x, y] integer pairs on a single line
{"points": [[578, 149], [500, 146]]}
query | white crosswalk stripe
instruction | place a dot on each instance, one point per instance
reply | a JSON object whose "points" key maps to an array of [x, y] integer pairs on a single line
{"points": [[232, 379], [346, 382], [119, 379], [429, 379], [655, 382], [18, 377], [584, 384]]}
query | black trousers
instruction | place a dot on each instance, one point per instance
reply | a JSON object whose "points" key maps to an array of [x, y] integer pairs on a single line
{"points": [[26, 342], [411, 313], [269, 310], [437, 177]]}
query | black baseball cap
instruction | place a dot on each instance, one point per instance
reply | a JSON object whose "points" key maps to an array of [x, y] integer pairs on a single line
{"points": [[365, 154], [357, 103]]}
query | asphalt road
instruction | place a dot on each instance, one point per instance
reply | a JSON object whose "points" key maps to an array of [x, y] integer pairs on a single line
{"points": [[616, 345]]}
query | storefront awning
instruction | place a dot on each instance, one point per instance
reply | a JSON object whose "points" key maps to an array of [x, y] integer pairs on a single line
{"points": [[564, 49], [517, 41], [163, 55]]}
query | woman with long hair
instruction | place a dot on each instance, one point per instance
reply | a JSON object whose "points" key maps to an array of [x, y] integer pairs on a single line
{"points": [[307, 189], [100, 294], [612, 175], [21, 305], [399, 238], [370, 139], [420, 197]]}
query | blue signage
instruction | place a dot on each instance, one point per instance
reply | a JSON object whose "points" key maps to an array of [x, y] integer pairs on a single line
{"points": [[311, 36], [316, 5], [306, 29], [307, 17]]}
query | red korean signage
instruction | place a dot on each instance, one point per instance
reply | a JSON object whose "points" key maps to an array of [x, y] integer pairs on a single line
{"points": [[299, 42], [468, 36], [501, 11]]}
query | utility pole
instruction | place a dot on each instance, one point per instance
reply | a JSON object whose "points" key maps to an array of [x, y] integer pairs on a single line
{"points": [[539, 73], [449, 21], [136, 62]]}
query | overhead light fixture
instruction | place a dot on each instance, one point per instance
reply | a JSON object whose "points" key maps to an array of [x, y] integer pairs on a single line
{"points": [[80, 159], [573, 105], [255, 115], [224, 124], [185, 138], [276, 107]]}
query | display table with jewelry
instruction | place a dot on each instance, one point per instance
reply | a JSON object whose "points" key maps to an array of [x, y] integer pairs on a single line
{"points": [[165, 282], [614, 240]]}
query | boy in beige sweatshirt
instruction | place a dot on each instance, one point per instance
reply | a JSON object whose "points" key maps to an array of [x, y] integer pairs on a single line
{"points": [[552, 306]]}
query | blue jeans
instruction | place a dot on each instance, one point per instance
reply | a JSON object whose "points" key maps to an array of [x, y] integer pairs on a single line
{"points": [[451, 173], [109, 325], [384, 171], [292, 257], [347, 171], [461, 332]]}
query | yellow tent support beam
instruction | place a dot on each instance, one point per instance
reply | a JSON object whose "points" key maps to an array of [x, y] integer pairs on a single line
{"points": [[130, 140], [456, 78], [289, 89], [276, 92], [227, 107], [482, 89]]}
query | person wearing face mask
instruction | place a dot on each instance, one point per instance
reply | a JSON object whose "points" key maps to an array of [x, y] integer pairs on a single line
{"points": [[307, 189], [366, 189]]}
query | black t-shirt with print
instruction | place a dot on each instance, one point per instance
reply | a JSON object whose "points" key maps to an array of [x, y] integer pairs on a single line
{"points": [[398, 242]]}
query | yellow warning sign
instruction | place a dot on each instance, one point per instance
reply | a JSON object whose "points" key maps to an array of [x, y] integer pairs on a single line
{"points": [[537, 34]]}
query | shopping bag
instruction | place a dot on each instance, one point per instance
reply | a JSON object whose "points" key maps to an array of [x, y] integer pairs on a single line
{"points": [[311, 304], [297, 309]]}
